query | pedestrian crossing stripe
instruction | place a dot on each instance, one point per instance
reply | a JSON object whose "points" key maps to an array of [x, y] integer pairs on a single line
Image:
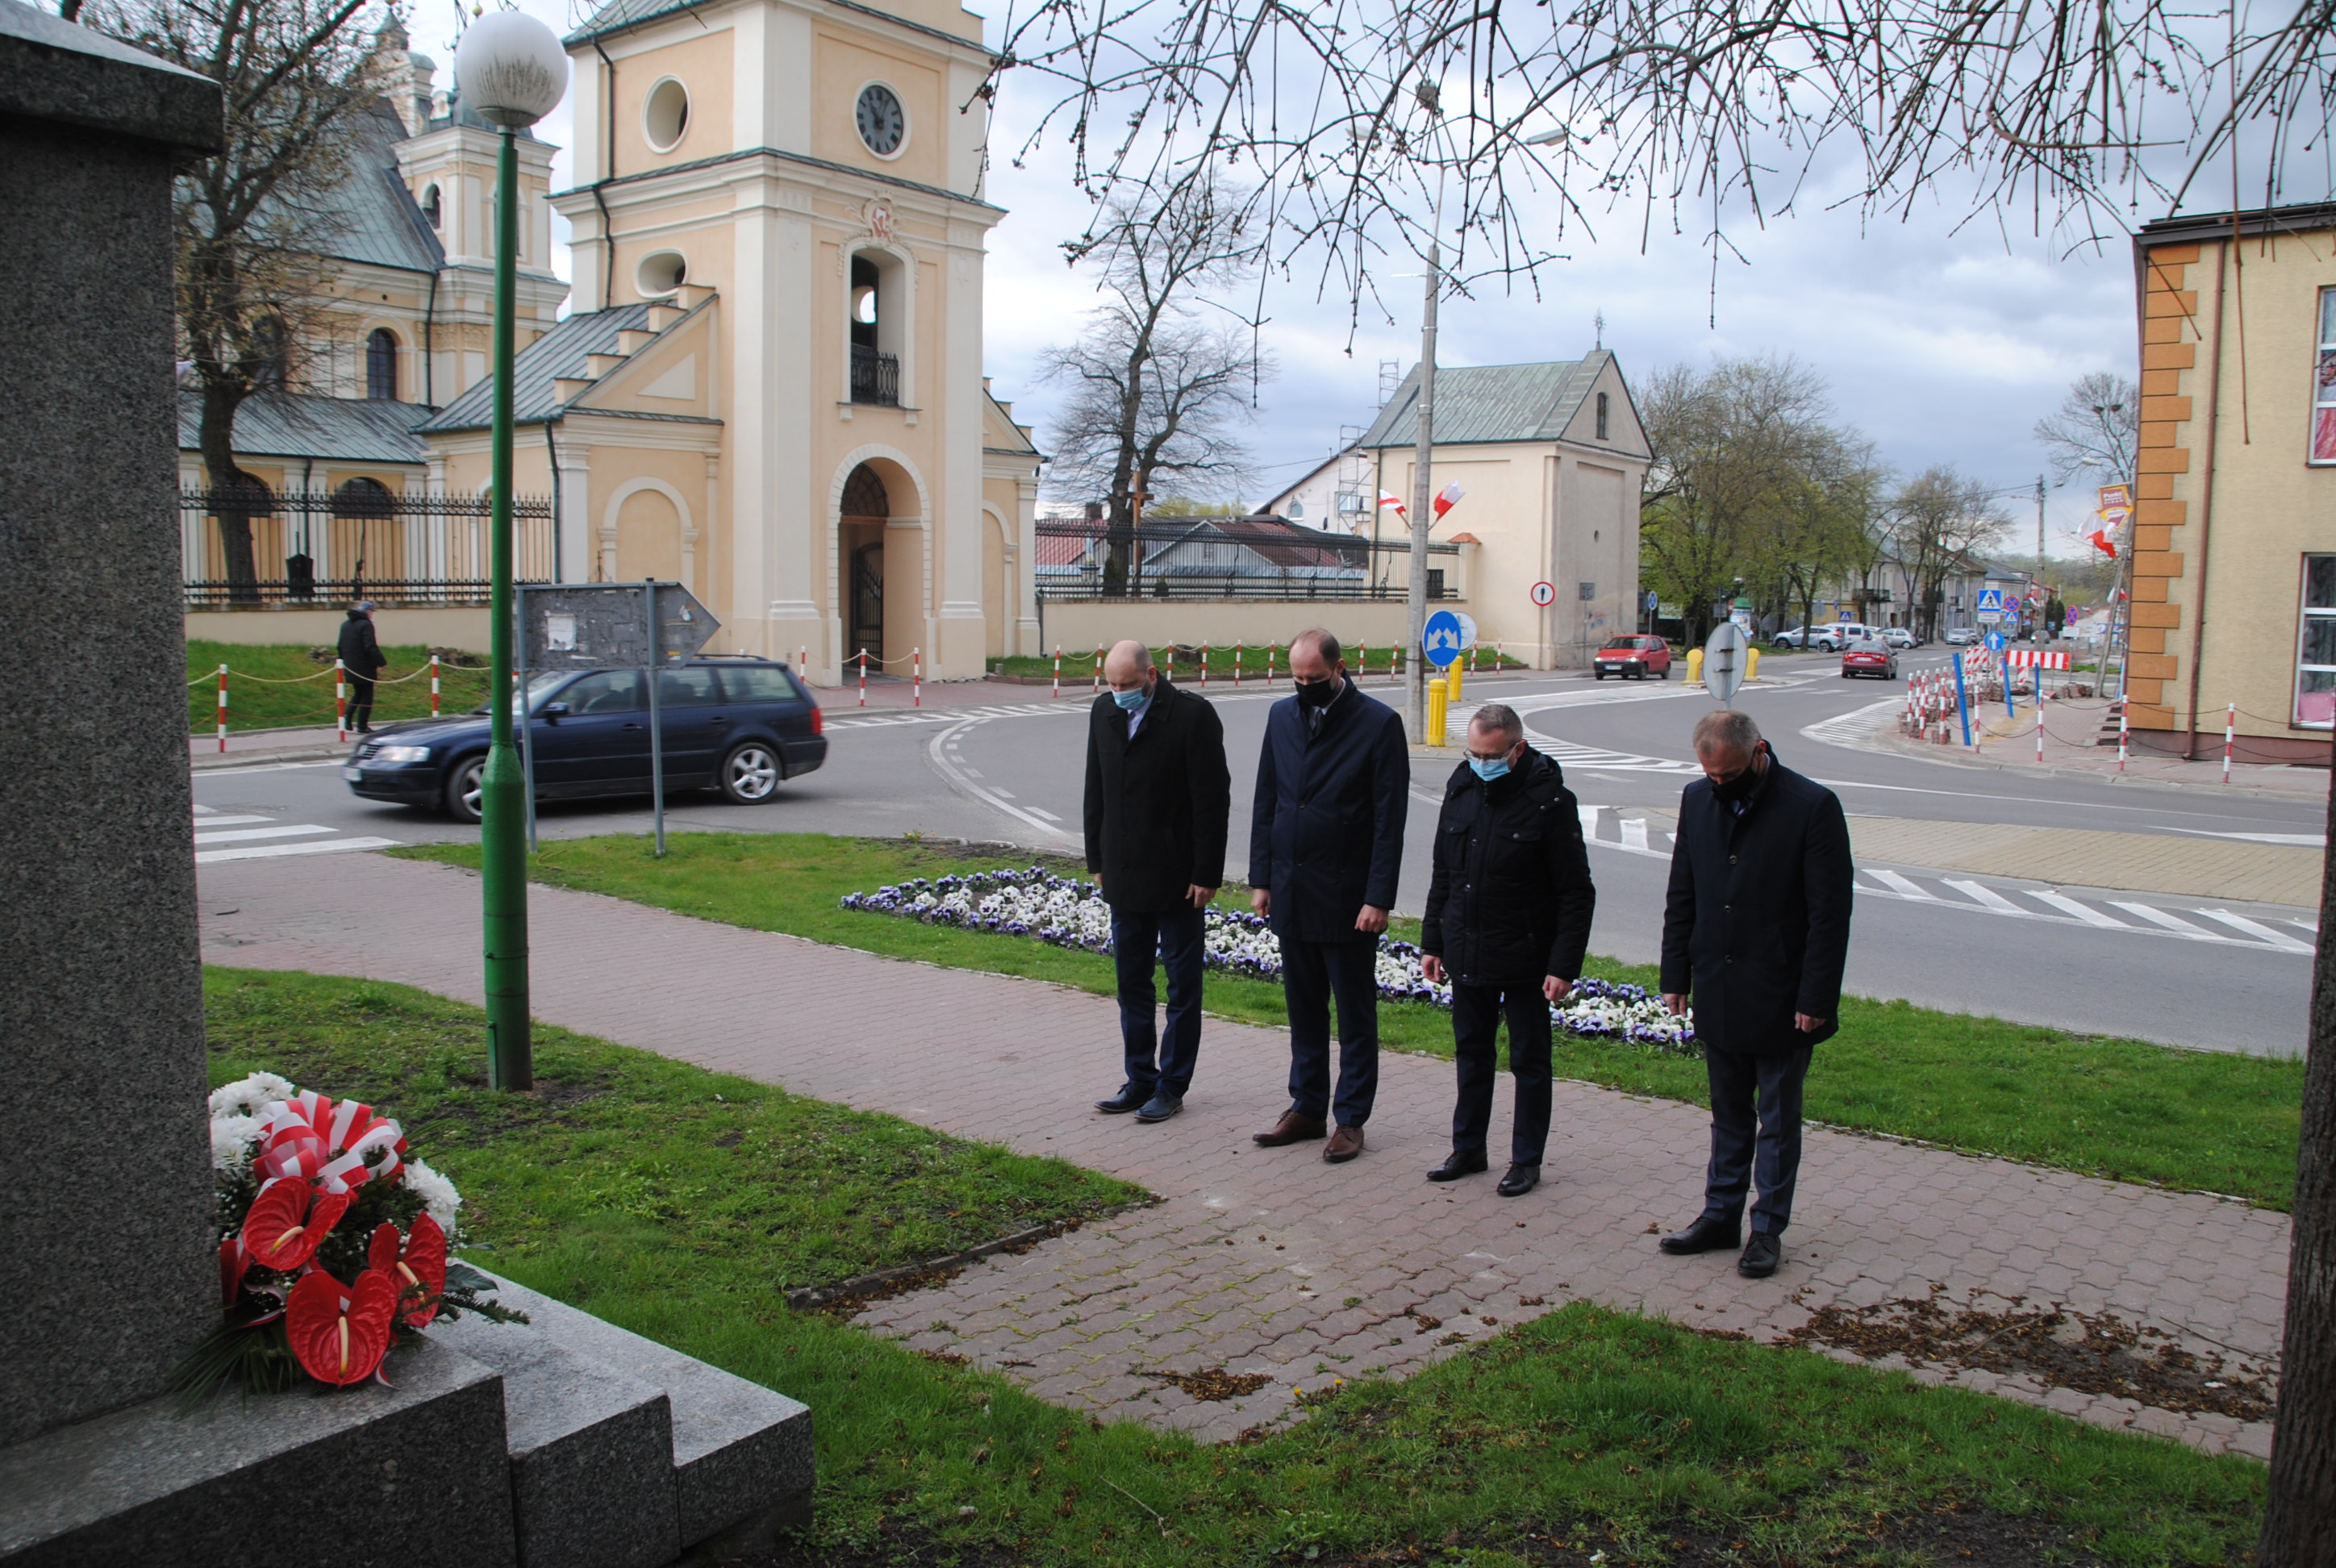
{"points": [[250, 836]]}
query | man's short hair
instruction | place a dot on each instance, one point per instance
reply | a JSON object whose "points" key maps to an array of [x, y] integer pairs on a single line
{"points": [[1323, 644], [1498, 718], [1725, 729]]}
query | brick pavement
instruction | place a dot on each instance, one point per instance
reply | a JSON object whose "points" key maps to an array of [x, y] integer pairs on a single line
{"points": [[1268, 1262]]}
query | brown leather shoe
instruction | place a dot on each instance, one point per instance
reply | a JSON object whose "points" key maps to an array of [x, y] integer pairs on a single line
{"points": [[1345, 1144], [1292, 1128]]}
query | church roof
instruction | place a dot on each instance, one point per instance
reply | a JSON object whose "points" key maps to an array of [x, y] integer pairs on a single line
{"points": [[371, 217], [1490, 402], [617, 15], [559, 353], [304, 424]]}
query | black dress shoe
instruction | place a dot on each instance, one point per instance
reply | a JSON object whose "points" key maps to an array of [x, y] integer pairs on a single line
{"points": [[1129, 1098], [1761, 1256], [1706, 1235], [1520, 1180], [1459, 1163]]}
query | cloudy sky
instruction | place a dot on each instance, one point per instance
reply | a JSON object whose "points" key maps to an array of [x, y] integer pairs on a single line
{"points": [[1941, 346]]}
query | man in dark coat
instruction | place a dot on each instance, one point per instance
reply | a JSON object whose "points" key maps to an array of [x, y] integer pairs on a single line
{"points": [[1756, 927], [361, 660], [1159, 800], [1508, 922], [1325, 848]]}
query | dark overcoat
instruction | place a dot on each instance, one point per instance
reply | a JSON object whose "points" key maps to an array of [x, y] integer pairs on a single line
{"points": [[1157, 806], [360, 650], [1326, 830], [1510, 898], [1757, 922]]}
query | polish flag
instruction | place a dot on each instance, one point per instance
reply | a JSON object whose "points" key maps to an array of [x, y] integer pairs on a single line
{"points": [[1446, 498], [1388, 499], [2101, 541]]}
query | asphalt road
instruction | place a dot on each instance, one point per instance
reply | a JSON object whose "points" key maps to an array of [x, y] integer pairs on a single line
{"points": [[1007, 769]]}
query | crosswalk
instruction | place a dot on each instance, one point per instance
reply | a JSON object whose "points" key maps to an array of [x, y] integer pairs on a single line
{"points": [[251, 835], [1607, 827], [895, 718]]}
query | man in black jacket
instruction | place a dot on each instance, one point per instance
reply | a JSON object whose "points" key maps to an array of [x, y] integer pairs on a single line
{"points": [[1757, 926], [1158, 801], [1508, 922], [1325, 848], [361, 660]]}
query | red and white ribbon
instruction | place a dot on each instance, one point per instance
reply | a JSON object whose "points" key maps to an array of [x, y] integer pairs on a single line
{"points": [[313, 1138]]}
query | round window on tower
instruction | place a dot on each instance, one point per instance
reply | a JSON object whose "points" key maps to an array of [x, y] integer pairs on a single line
{"points": [[664, 114], [883, 123], [660, 273]]}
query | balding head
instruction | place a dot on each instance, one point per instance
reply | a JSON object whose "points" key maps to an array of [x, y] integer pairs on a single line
{"points": [[1127, 666]]}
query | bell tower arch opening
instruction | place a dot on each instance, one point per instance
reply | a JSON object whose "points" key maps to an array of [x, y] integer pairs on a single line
{"points": [[867, 509]]}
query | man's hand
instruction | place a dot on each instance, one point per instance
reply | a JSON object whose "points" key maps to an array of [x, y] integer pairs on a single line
{"points": [[1433, 968], [1676, 1002], [1262, 901], [1199, 896], [1556, 990], [1373, 919], [1806, 1023]]}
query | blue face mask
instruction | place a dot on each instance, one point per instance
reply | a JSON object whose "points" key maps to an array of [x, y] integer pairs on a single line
{"points": [[1129, 701], [1489, 771]]}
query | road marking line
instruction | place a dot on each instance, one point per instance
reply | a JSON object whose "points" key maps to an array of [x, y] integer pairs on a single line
{"points": [[2083, 911], [1634, 834], [2258, 931], [2158, 917], [2307, 841], [936, 754], [2311, 926], [1589, 820], [205, 817], [261, 852], [1036, 810], [1987, 898], [1905, 887], [281, 832]]}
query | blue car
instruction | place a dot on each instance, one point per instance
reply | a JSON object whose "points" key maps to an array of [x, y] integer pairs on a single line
{"points": [[741, 726]]}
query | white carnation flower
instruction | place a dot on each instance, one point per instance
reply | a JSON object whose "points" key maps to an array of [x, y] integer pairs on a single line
{"points": [[436, 1193], [231, 1140], [249, 1096]]}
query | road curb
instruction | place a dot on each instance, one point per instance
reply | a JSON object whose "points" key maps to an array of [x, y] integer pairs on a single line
{"points": [[256, 758], [1886, 740]]}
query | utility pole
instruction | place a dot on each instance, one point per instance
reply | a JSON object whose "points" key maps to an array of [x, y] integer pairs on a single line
{"points": [[1415, 675]]}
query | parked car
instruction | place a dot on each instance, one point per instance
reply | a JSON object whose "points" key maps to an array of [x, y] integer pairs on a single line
{"points": [[1900, 636], [1826, 638], [1962, 637], [1869, 654], [739, 725], [1635, 657]]}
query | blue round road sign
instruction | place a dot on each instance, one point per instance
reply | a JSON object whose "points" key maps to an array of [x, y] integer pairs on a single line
{"points": [[1995, 642], [1444, 639]]}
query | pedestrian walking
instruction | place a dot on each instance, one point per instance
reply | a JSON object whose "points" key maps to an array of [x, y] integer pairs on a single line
{"points": [[361, 661], [1507, 923], [1324, 849], [1756, 928], [1158, 798]]}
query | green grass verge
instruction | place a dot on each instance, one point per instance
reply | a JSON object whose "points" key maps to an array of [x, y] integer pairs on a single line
{"points": [[680, 1203], [1079, 663], [274, 685], [2198, 1121]]}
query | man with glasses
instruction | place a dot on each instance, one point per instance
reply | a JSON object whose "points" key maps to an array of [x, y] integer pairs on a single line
{"points": [[1159, 800], [1325, 848], [1507, 923], [1756, 927]]}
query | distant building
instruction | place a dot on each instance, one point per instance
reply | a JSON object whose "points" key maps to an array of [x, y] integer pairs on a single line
{"points": [[2234, 568], [1205, 557]]}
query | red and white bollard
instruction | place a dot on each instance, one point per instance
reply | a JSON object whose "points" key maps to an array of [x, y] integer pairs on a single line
{"points": [[433, 685], [916, 677], [2124, 708], [1237, 663], [863, 677], [1471, 659], [1059, 669], [341, 700], [802, 663], [1097, 691], [222, 717], [1363, 659], [2040, 719], [1171, 663], [2230, 726], [1204, 667], [1268, 664]]}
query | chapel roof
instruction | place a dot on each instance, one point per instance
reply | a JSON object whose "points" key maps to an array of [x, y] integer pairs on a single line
{"points": [[559, 353], [1491, 403], [371, 217], [299, 424]]}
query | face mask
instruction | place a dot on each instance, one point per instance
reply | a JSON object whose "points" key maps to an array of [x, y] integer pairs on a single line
{"points": [[1318, 693], [1489, 771], [1129, 701], [1740, 787]]}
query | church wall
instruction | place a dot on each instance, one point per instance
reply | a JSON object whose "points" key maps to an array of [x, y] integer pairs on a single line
{"points": [[843, 65], [701, 61]]}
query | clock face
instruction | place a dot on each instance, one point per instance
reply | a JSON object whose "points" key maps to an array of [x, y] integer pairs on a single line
{"points": [[882, 123]]}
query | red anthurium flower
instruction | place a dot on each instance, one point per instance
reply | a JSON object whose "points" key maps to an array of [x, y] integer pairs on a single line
{"points": [[288, 1221], [417, 1267], [233, 1262], [341, 1332]]}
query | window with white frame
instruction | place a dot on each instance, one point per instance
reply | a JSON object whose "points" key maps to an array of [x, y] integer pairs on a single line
{"points": [[2315, 655], [2323, 384]]}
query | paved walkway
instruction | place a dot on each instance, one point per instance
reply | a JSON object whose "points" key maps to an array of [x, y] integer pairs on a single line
{"points": [[2071, 747], [1270, 1262]]}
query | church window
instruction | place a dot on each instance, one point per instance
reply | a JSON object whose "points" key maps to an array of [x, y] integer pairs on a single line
{"points": [[876, 319], [661, 272], [883, 123], [272, 353], [664, 114], [1601, 416], [380, 365], [433, 208]]}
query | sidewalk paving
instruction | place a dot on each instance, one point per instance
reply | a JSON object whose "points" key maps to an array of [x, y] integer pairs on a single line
{"points": [[2007, 742], [1268, 1262]]}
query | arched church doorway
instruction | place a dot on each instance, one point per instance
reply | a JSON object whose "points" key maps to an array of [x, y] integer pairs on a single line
{"points": [[866, 509]]}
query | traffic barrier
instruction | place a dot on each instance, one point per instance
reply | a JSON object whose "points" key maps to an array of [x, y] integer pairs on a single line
{"points": [[916, 678], [341, 701], [1098, 674], [1268, 664], [2230, 735], [434, 682], [863, 677], [1204, 667], [1059, 669], [222, 716], [1439, 710], [1237, 664]]}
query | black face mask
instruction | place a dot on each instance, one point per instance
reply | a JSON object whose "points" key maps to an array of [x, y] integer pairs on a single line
{"points": [[1318, 693], [1741, 787]]}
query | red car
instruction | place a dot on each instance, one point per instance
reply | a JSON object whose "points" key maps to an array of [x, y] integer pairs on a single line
{"points": [[1869, 656], [1635, 657]]}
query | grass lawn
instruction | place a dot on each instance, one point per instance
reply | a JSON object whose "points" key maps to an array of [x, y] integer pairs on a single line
{"points": [[2200, 1121], [277, 686], [1079, 663], [680, 1202]]}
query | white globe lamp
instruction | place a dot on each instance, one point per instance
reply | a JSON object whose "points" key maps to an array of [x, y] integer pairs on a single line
{"points": [[510, 69]]}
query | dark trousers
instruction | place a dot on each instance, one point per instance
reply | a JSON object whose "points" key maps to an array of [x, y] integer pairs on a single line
{"points": [[1476, 1014], [1755, 1134], [360, 699], [1156, 1060], [1312, 973]]}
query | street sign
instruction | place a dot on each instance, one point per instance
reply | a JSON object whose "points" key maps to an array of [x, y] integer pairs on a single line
{"points": [[1990, 605], [2117, 501], [1724, 659], [605, 625], [1995, 642], [1653, 600], [1467, 627], [1545, 594], [1442, 637]]}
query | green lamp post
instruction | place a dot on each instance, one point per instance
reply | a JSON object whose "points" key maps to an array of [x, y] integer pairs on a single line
{"points": [[511, 70]]}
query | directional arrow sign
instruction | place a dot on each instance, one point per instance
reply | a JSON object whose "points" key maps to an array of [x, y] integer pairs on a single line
{"points": [[605, 625], [1442, 638], [1724, 659]]}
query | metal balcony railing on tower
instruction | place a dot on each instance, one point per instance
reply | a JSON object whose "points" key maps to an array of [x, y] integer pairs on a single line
{"points": [[875, 377]]}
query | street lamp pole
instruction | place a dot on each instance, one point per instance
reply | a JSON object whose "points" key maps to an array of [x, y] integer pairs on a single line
{"points": [[511, 70]]}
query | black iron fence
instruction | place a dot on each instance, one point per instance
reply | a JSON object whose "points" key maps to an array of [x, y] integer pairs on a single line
{"points": [[1260, 558], [243, 547], [875, 377], [1090, 586]]}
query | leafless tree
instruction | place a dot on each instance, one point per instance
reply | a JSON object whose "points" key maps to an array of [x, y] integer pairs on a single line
{"points": [[1938, 522], [2096, 430], [252, 234], [1157, 385]]}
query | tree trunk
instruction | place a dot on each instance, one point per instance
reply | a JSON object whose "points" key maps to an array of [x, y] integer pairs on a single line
{"points": [[2299, 1515], [236, 497]]}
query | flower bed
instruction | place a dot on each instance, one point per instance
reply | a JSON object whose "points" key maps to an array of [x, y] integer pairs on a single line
{"points": [[1072, 914]]}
